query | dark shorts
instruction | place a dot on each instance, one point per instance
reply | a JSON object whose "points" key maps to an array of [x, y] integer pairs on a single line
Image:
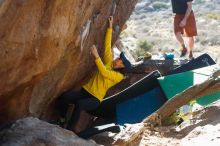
{"points": [[82, 99], [190, 29]]}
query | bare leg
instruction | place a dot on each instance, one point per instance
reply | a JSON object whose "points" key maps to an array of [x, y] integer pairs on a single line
{"points": [[191, 45], [179, 38], [181, 42]]}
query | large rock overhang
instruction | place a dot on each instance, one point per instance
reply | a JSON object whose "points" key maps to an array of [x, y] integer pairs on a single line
{"points": [[42, 53]]}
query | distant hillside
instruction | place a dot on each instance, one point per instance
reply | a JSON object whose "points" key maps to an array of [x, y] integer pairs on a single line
{"points": [[150, 27]]}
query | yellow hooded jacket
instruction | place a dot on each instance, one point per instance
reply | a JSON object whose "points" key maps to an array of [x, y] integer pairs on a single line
{"points": [[105, 77]]}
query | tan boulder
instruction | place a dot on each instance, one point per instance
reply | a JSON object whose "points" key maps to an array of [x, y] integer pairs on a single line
{"points": [[42, 52]]}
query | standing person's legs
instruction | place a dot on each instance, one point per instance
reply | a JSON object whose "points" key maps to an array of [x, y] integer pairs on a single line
{"points": [[180, 39], [191, 45], [191, 31], [87, 104], [178, 33]]}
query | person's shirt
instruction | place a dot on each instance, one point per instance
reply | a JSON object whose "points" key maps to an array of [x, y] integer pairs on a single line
{"points": [[180, 6], [105, 77]]}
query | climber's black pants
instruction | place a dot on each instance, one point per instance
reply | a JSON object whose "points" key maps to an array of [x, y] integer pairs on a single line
{"points": [[82, 101]]}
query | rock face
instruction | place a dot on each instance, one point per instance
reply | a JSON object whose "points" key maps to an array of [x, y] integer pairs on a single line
{"points": [[31, 131], [42, 52]]}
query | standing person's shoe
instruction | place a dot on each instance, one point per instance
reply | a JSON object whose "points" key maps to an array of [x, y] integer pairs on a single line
{"points": [[183, 52]]}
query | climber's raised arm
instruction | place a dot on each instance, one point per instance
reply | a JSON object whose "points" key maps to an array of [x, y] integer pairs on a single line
{"points": [[108, 41]]}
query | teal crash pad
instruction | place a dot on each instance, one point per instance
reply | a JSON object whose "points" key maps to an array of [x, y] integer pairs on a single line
{"points": [[176, 83], [136, 109]]}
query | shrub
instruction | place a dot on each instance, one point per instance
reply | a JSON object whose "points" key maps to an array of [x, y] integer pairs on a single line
{"points": [[215, 16], [145, 46], [142, 48]]}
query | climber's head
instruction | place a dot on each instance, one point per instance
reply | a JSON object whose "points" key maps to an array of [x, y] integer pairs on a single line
{"points": [[122, 63]]}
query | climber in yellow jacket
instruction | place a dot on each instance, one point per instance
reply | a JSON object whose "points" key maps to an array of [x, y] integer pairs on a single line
{"points": [[93, 92]]}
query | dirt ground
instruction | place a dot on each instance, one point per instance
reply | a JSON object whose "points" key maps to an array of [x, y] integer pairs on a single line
{"points": [[202, 129]]}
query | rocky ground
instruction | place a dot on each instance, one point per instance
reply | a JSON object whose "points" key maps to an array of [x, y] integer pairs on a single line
{"points": [[34, 132], [202, 129], [150, 27]]}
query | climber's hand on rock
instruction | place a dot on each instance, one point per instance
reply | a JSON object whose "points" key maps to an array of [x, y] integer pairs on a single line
{"points": [[110, 21], [94, 51]]}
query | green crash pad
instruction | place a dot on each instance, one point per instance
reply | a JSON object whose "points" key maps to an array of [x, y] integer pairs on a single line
{"points": [[176, 83]]}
